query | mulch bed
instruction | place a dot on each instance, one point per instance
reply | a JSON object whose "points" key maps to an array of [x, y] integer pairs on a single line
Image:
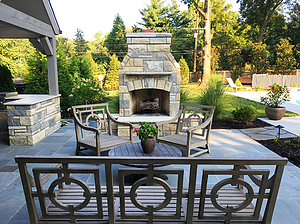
{"points": [[282, 148], [229, 123], [285, 147]]}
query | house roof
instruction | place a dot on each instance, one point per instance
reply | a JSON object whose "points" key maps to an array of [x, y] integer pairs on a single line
{"points": [[27, 19]]}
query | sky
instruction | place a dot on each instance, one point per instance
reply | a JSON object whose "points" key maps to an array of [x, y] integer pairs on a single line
{"points": [[91, 16]]}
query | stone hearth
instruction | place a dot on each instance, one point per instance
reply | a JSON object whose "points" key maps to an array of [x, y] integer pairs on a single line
{"points": [[149, 71]]}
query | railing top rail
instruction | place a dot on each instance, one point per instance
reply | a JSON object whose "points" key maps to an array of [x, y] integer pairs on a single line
{"points": [[151, 160]]}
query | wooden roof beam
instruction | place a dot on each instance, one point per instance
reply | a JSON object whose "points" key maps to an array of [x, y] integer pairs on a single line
{"points": [[23, 21]]}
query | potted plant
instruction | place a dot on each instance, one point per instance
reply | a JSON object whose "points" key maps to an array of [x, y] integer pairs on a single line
{"points": [[276, 96], [147, 132]]}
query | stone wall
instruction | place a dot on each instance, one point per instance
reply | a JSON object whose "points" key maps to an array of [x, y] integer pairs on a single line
{"points": [[149, 65], [27, 125]]}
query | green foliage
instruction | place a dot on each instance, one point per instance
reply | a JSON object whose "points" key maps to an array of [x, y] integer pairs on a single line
{"points": [[87, 89], [214, 95], [37, 77], [81, 64], [6, 84], [287, 142], [81, 45], [238, 82], [276, 96], [184, 95], [99, 52], [14, 54], [112, 78], [146, 130], [236, 63], [184, 71], [245, 113], [65, 79], [116, 40], [259, 12], [296, 142], [285, 61], [155, 15], [260, 58]]}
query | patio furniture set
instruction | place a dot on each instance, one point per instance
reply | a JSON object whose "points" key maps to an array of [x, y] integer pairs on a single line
{"points": [[75, 190]]}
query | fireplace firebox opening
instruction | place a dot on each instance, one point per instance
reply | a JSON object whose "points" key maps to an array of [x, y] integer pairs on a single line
{"points": [[149, 101]]}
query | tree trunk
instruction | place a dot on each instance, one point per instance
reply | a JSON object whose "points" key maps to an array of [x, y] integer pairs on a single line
{"points": [[206, 44], [261, 32]]}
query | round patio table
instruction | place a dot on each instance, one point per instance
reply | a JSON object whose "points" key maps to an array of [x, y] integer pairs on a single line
{"points": [[136, 150]]}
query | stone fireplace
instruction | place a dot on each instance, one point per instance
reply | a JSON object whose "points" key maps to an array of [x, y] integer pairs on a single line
{"points": [[149, 75]]}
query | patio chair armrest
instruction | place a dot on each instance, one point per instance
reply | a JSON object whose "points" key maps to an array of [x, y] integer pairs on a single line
{"points": [[168, 121], [84, 127], [203, 125], [118, 122]]}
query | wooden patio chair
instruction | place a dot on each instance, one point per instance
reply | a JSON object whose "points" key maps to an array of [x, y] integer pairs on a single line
{"points": [[93, 127], [192, 128], [233, 85]]}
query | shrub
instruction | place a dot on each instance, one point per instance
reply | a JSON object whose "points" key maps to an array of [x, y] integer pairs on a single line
{"points": [[184, 70], [6, 84], [87, 89], [238, 82], [245, 113], [184, 95], [214, 95]]}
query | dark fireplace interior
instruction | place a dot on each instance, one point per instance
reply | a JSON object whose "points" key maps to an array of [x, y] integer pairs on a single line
{"points": [[145, 101]]}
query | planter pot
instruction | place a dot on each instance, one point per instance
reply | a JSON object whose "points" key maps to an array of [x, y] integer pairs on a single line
{"points": [[275, 113], [148, 145]]}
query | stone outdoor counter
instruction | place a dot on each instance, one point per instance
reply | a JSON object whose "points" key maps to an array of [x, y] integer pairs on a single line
{"points": [[31, 118]]}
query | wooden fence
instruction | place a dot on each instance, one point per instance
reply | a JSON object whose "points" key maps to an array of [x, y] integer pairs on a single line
{"points": [[266, 80]]}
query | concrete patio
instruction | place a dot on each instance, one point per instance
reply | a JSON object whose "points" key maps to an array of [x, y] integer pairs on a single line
{"points": [[224, 143]]}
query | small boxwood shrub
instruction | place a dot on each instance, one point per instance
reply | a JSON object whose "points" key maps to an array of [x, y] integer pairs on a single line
{"points": [[245, 113]]}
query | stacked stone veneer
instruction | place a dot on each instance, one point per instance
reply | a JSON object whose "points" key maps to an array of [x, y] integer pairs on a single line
{"points": [[149, 65], [27, 125]]}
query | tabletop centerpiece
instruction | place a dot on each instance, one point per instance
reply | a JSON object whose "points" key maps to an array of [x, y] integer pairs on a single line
{"points": [[276, 96], [146, 133]]}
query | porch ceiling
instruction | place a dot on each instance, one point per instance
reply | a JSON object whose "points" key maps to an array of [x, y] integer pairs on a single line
{"points": [[27, 19]]}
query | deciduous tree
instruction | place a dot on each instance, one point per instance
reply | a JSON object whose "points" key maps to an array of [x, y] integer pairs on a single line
{"points": [[259, 13], [206, 14]]}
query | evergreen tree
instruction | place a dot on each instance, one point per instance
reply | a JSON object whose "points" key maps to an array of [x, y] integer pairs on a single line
{"points": [[116, 40], [112, 78], [81, 45], [184, 71], [6, 84], [37, 77], [155, 16], [285, 61], [180, 24], [260, 58], [65, 79]]}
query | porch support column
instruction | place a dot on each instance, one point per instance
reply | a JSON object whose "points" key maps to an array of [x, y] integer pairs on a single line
{"points": [[52, 69]]}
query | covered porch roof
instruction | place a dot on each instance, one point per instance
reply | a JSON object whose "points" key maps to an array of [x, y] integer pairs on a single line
{"points": [[33, 20]]}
